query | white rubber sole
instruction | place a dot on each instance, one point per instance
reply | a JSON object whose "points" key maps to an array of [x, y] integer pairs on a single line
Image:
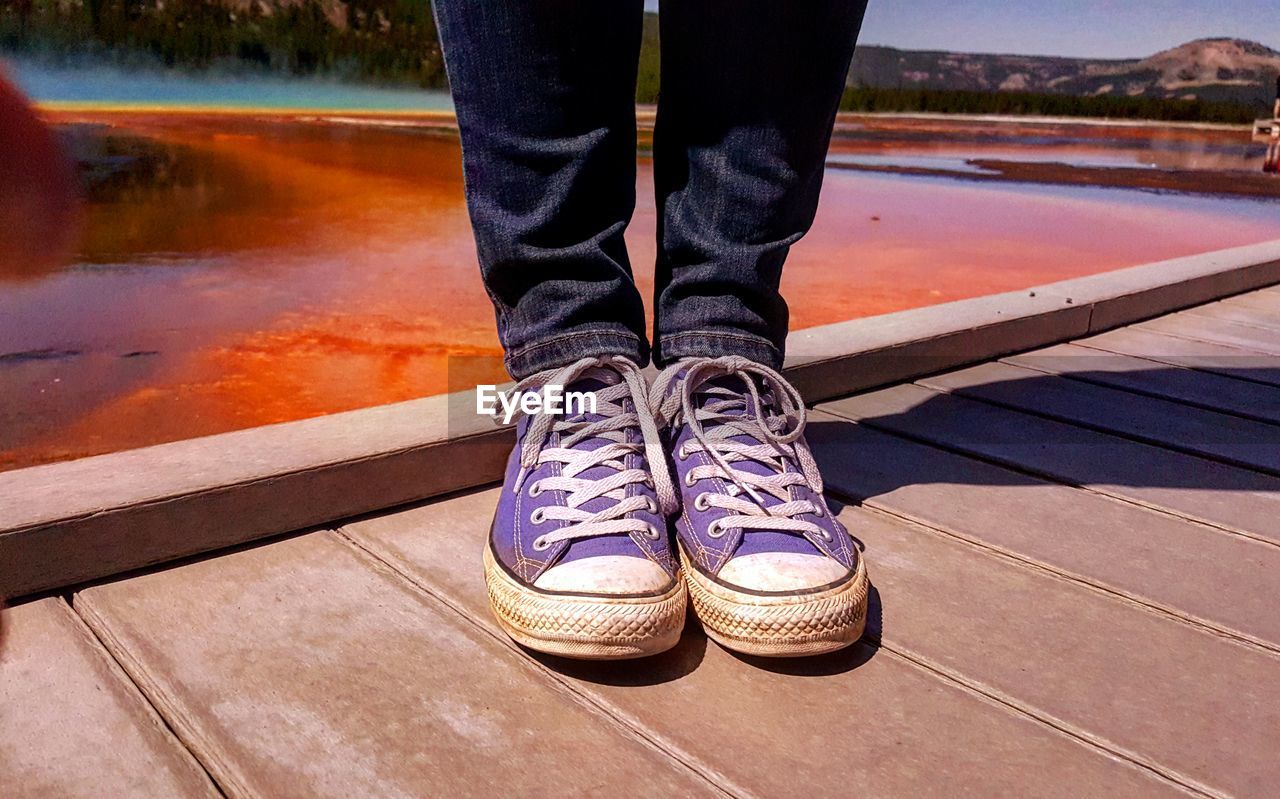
{"points": [[790, 625], [585, 627]]}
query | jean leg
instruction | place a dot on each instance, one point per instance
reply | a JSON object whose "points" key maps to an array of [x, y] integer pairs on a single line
{"points": [[750, 89], [545, 96]]}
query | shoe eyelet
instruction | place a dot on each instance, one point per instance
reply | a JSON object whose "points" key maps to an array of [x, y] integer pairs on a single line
{"points": [[689, 479], [682, 453], [819, 510], [652, 533], [826, 536], [714, 530], [651, 504], [535, 488], [539, 544], [538, 516], [701, 502]]}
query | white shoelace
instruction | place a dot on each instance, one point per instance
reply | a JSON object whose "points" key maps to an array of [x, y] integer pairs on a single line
{"points": [[624, 381], [777, 426]]}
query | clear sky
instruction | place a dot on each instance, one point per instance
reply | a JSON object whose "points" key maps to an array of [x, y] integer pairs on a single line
{"points": [[1093, 28]]}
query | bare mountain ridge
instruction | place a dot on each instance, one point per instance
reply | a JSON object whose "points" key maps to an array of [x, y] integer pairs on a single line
{"points": [[1207, 69], [1214, 69]]}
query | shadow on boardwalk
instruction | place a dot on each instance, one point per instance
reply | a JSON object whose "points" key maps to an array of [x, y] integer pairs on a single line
{"points": [[1187, 430]]}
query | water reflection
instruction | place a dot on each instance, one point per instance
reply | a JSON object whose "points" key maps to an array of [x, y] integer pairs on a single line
{"points": [[235, 270], [1122, 144]]}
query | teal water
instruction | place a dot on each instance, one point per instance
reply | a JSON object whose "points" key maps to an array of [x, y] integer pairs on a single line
{"points": [[44, 83]]}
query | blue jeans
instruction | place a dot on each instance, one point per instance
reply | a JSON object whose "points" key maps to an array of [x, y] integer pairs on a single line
{"points": [[544, 91]]}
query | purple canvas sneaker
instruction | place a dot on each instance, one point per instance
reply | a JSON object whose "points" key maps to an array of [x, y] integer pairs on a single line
{"points": [[769, 570], [579, 561]]}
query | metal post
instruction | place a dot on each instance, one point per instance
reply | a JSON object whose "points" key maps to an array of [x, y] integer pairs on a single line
{"points": [[1271, 164]]}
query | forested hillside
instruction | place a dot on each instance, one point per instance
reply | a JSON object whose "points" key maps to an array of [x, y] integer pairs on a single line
{"points": [[395, 42], [391, 41]]}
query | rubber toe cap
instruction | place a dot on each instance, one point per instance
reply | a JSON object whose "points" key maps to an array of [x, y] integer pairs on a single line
{"points": [[606, 574], [782, 571]]}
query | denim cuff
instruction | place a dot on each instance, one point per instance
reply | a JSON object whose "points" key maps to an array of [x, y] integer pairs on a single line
{"points": [[715, 343], [565, 348]]}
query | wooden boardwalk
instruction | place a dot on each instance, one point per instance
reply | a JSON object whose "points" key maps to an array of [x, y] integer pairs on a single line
{"points": [[1075, 554]]}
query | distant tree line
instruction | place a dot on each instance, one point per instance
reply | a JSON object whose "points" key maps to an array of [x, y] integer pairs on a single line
{"points": [[395, 41], [390, 41], [904, 100], [647, 76]]}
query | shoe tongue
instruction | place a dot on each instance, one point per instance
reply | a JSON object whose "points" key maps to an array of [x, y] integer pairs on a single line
{"points": [[587, 385], [735, 385], [753, 541], [590, 383]]}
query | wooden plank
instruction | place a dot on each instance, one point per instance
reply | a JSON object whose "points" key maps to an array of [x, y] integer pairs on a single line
{"points": [[1252, 315], [73, 725], [1236, 499], [1188, 353], [72, 522], [228, 489], [1225, 582], [1127, 295], [1233, 334], [301, 668], [893, 728], [1215, 392], [1242, 442], [1263, 299], [835, 360], [1197, 707]]}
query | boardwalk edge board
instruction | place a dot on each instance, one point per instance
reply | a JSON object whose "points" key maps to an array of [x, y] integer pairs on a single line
{"points": [[67, 523]]}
